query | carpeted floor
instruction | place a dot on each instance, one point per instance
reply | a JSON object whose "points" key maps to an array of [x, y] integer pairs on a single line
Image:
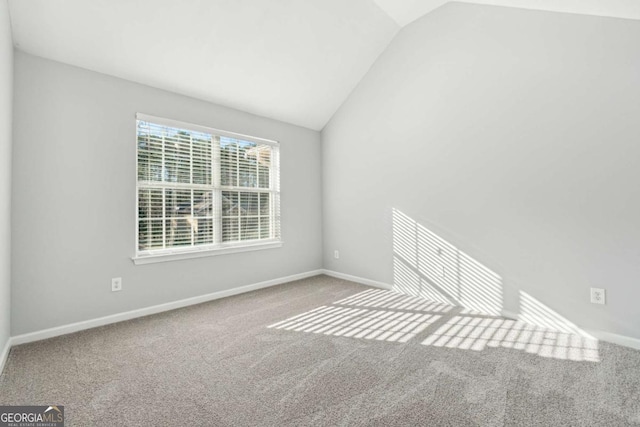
{"points": [[324, 351]]}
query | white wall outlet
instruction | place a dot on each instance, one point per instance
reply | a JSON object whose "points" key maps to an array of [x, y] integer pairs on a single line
{"points": [[598, 296], [116, 284], [336, 254]]}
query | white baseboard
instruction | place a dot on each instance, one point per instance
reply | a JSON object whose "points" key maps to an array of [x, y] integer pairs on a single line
{"points": [[5, 354], [609, 337], [114, 318], [357, 279], [106, 320], [509, 315], [622, 340], [599, 335]]}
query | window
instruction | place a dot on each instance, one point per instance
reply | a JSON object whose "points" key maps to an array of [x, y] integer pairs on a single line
{"points": [[201, 189]]}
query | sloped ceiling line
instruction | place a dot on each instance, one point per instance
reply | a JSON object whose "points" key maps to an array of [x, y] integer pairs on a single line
{"points": [[289, 60], [403, 12]]}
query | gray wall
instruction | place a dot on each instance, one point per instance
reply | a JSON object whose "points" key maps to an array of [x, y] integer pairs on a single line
{"points": [[6, 90], [507, 141], [74, 198]]}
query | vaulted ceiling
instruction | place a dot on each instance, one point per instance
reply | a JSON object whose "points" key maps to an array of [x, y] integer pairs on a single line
{"points": [[291, 60], [407, 11]]}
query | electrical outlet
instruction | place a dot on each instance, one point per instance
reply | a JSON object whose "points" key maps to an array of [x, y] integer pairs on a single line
{"points": [[116, 284], [336, 254], [598, 296]]}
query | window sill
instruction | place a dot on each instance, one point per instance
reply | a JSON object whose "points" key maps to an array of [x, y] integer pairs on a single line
{"points": [[176, 256]]}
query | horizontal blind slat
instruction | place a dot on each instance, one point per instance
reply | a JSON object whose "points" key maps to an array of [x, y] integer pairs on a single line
{"points": [[176, 191]]}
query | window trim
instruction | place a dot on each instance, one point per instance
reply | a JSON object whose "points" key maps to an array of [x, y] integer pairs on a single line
{"points": [[203, 129], [221, 248], [176, 255]]}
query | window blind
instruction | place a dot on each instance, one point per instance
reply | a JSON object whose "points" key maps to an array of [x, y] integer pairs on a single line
{"points": [[200, 188]]}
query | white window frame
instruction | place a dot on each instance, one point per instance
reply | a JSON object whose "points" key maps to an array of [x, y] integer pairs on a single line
{"points": [[217, 247]]}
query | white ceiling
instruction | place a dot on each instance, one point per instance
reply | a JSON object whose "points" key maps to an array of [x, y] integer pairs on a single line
{"points": [[407, 11], [291, 60]]}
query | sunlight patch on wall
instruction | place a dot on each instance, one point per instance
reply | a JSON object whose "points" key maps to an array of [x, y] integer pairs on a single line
{"points": [[408, 281], [427, 266], [534, 312]]}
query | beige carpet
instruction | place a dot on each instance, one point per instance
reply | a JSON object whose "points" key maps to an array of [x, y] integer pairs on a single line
{"points": [[323, 351]]}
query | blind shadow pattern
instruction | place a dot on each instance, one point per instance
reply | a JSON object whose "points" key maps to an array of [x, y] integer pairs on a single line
{"points": [[368, 315], [390, 316], [426, 265], [199, 190], [474, 332]]}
